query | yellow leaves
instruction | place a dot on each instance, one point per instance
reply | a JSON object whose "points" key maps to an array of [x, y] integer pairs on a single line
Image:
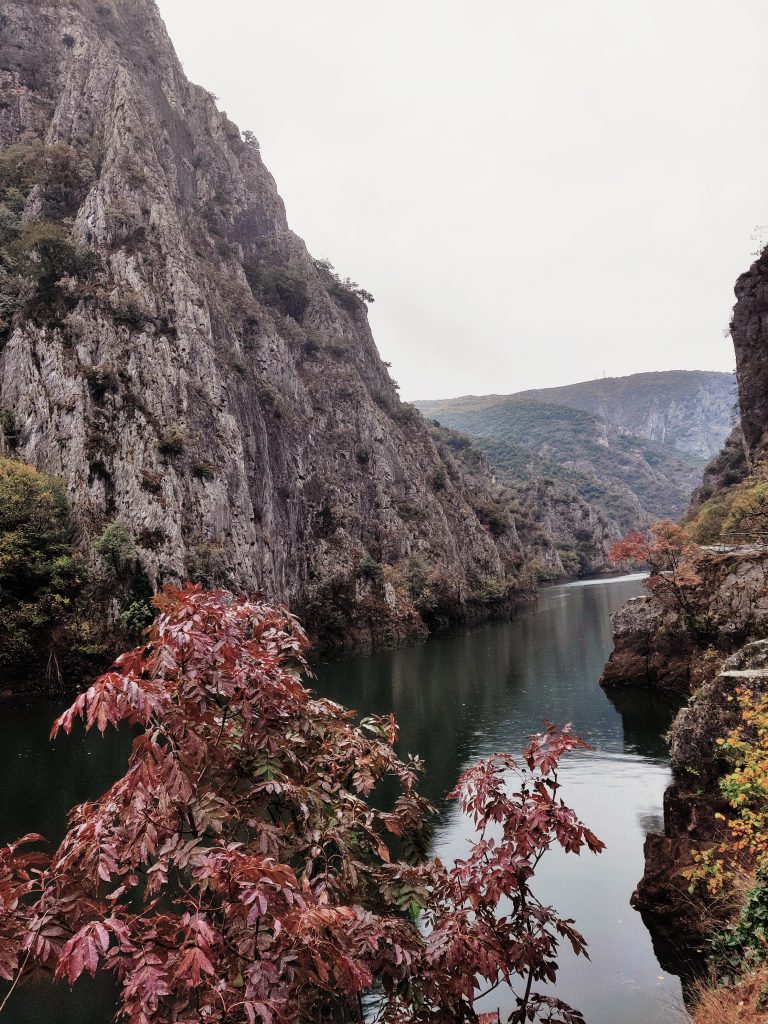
{"points": [[745, 788]]}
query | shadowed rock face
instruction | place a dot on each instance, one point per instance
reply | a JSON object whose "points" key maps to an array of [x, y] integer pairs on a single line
{"points": [[749, 330], [650, 648], [208, 383], [694, 810]]}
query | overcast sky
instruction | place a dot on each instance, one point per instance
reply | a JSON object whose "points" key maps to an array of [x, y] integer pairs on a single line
{"points": [[535, 192]]}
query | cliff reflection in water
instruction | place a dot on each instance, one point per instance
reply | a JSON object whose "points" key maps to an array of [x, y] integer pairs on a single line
{"points": [[463, 697]]}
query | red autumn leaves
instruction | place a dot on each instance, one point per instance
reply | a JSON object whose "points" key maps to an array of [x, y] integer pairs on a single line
{"points": [[238, 871]]}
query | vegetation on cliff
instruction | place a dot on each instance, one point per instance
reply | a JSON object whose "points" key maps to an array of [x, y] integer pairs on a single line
{"points": [[171, 350], [735, 514], [240, 871], [60, 617], [40, 573], [634, 446]]}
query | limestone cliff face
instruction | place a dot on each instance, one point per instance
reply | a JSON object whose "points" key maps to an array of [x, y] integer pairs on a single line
{"points": [[208, 383], [749, 330], [564, 535], [653, 647], [694, 808]]}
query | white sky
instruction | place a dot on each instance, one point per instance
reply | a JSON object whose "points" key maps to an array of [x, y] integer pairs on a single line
{"points": [[535, 192]]}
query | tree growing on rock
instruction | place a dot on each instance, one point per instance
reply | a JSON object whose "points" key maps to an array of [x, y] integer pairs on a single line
{"points": [[239, 870], [674, 562]]}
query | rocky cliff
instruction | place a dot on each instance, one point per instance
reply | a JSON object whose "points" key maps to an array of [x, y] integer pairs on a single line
{"points": [[655, 646], [656, 649], [171, 349], [749, 330], [564, 535]]}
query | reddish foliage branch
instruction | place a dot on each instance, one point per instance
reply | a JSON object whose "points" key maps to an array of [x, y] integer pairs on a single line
{"points": [[674, 563], [237, 871]]}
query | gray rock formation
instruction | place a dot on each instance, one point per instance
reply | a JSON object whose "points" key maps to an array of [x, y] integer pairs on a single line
{"points": [[749, 330], [199, 377], [694, 810], [564, 535], [654, 648]]}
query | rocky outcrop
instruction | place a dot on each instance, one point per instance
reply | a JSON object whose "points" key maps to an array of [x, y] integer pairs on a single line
{"points": [[653, 647], [749, 330], [564, 535], [694, 811], [171, 349]]}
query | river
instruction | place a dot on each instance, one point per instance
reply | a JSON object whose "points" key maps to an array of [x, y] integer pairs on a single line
{"points": [[457, 699]]}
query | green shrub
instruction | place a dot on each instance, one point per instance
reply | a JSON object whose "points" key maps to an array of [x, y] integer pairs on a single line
{"points": [[117, 547], [101, 379], [493, 517], [172, 441], [743, 946], [439, 478], [204, 470], [345, 297], [39, 571], [283, 289], [369, 568], [208, 564], [490, 590], [8, 427], [128, 309], [34, 260], [137, 616]]}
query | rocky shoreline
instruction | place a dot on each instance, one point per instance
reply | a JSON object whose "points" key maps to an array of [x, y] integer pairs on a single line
{"points": [[654, 651]]}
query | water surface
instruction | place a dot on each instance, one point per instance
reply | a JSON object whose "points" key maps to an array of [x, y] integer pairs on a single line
{"points": [[457, 699], [461, 698]]}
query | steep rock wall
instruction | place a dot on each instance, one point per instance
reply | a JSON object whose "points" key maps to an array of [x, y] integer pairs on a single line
{"points": [[749, 330], [210, 385]]}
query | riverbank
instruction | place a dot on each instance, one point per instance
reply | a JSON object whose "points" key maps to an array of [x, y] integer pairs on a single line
{"points": [[706, 647]]}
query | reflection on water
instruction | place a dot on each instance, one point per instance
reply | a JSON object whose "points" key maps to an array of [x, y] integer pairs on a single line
{"points": [[464, 697], [456, 698]]}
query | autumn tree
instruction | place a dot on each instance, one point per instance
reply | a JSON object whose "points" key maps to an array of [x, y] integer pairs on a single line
{"points": [[673, 560], [239, 870]]}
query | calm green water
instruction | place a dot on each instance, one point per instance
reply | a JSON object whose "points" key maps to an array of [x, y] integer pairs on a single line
{"points": [[457, 699]]}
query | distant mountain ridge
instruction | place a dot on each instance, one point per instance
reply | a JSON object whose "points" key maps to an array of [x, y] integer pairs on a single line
{"points": [[635, 446], [691, 411]]}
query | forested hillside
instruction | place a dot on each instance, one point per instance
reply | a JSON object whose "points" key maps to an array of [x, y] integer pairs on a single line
{"points": [[640, 465]]}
